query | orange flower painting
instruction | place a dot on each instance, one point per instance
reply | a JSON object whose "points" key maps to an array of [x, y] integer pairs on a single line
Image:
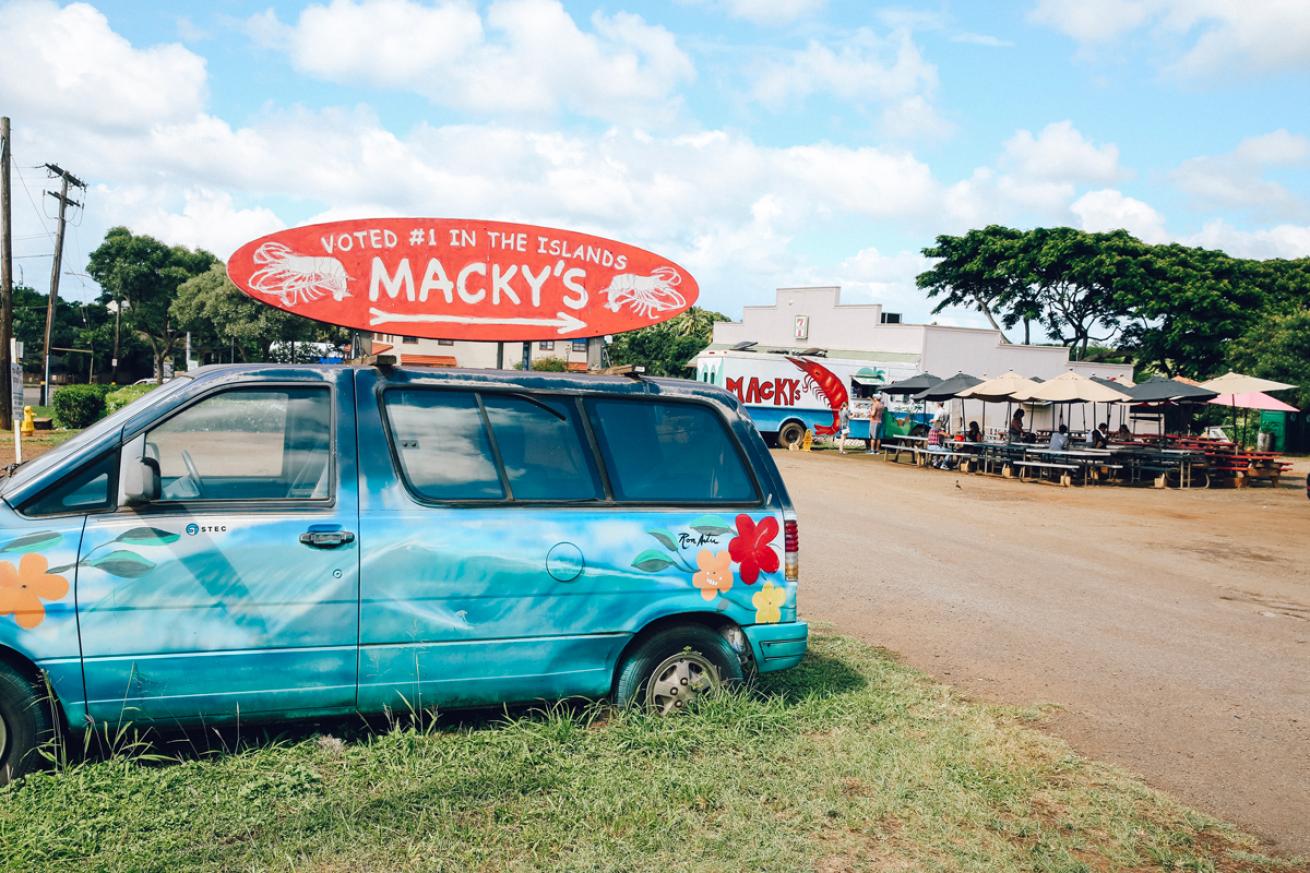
{"points": [[715, 576], [24, 588]]}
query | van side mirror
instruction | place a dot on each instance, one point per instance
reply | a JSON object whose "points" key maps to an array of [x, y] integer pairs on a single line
{"points": [[140, 483]]}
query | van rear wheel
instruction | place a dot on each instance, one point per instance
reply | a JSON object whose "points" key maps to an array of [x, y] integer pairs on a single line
{"points": [[24, 725], [791, 434], [674, 668]]}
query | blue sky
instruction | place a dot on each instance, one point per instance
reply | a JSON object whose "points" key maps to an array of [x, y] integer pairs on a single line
{"points": [[761, 143]]}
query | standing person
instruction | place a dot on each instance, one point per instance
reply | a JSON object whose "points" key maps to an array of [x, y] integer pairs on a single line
{"points": [[936, 443], [1016, 427], [843, 427], [875, 424]]}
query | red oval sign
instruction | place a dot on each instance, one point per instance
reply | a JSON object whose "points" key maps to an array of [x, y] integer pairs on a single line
{"points": [[450, 278]]}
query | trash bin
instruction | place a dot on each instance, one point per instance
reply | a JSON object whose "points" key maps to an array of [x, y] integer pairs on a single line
{"points": [[1264, 442]]}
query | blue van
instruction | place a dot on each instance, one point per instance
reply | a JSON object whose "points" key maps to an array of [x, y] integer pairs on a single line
{"points": [[271, 542]]}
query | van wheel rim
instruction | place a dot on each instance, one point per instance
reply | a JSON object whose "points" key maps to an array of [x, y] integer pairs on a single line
{"points": [[4, 737], [680, 680]]}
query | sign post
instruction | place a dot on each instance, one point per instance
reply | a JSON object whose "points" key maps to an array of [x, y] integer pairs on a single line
{"points": [[459, 279], [16, 396]]}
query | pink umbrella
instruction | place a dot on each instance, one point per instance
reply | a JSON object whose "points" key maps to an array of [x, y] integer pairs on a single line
{"points": [[1253, 400]]}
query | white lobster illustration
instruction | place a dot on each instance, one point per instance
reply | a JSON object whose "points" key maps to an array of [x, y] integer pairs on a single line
{"points": [[296, 278], [646, 295]]}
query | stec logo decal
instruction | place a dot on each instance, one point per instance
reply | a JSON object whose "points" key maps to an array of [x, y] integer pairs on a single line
{"points": [[192, 529]]}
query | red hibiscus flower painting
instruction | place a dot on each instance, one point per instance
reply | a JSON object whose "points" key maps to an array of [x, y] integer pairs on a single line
{"points": [[751, 547]]}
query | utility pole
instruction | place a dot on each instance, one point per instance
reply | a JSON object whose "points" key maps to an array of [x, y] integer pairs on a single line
{"points": [[68, 178], [7, 414]]}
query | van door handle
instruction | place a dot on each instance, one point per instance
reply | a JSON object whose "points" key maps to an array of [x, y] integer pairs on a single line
{"points": [[326, 539]]}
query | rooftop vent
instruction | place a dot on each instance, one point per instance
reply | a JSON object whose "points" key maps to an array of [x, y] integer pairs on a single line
{"points": [[744, 346], [891, 318]]}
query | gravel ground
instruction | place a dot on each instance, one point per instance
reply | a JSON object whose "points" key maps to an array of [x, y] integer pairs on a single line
{"points": [[1170, 630]]}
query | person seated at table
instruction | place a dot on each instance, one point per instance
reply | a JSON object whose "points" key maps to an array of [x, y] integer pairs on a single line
{"points": [[1099, 438], [1123, 434], [937, 444], [1016, 427], [1060, 439], [974, 433]]}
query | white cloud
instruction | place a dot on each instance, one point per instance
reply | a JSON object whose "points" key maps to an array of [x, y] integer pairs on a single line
{"points": [[1059, 152], [207, 219], [525, 56], [1090, 21], [1280, 241], [67, 62], [1223, 38], [1236, 180], [772, 11], [1109, 209], [862, 67]]}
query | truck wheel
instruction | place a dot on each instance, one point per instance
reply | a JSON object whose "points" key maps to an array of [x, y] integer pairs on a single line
{"points": [[791, 434], [24, 725], [676, 666]]}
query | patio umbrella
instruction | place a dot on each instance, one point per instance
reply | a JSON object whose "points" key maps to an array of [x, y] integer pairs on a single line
{"points": [[1123, 386], [1251, 400], [1232, 384], [1158, 389], [1238, 383], [912, 385], [948, 389], [1071, 387], [1007, 387]]}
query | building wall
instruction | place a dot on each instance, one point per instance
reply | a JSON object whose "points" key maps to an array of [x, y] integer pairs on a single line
{"points": [[482, 355], [832, 324]]}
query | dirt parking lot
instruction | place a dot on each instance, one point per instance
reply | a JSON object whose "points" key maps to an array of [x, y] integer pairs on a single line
{"points": [[1171, 629]]}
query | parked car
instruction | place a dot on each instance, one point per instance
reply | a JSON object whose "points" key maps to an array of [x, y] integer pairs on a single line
{"points": [[270, 542]]}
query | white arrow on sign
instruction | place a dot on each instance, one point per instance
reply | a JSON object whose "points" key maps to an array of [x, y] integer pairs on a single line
{"points": [[562, 322]]}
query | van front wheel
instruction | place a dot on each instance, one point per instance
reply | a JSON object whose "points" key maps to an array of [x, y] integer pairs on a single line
{"points": [[24, 725], [667, 673], [791, 434]]}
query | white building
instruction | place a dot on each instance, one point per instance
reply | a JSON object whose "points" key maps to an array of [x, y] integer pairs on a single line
{"points": [[421, 352], [804, 319]]}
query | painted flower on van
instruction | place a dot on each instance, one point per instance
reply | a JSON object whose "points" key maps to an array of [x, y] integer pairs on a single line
{"points": [[715, 574], [752, 547], [23, 588], [768, 603]]}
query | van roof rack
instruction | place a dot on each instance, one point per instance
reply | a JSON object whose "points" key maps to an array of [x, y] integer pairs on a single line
{"points": [[632, 371]]}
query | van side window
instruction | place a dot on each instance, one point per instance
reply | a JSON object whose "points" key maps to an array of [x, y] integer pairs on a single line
{"points": [[542, 447], [442, 444], [669, 452], [89, 489], [247, 444]]}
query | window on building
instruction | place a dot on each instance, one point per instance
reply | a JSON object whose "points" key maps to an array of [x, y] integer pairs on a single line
{"points": [[580, 346], [442, 445], [445, 342], [409, 340], [542, 447], [546, 345], [247, 444], [668, 452]]}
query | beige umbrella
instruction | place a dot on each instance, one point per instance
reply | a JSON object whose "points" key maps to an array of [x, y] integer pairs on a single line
{"points": [[1238, 383], [1071, 387], [1010, 386]]}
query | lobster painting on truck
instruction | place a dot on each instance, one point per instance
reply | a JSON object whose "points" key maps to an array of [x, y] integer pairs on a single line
{"points": [[787, 394]]}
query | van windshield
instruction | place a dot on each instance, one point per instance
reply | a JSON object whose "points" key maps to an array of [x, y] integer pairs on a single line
{"points": [[93, 434]]}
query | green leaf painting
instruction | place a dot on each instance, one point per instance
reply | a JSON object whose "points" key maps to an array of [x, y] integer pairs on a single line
{"points": [[121, 562], [651, 561], [711, 525], [666, 539], [32, 542], [147, 536]]}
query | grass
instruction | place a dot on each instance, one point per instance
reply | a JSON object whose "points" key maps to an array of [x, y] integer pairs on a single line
{"points": [[34, 445], [849, 762]]}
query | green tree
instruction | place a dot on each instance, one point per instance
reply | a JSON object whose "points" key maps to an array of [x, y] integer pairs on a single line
{"points": [[223, 321], [665, 348], [144, 274], [984, 270], [1277, 347]]}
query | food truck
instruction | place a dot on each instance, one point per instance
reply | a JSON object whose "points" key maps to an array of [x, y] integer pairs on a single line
{"points": [[788, 393]]}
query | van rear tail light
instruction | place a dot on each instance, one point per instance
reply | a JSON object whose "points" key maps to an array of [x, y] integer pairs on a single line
{"points": [[791, 550]]}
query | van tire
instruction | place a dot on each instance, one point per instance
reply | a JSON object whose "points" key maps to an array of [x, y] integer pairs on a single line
{"points": [[791, 434], [688, 648], [24, 724]]}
